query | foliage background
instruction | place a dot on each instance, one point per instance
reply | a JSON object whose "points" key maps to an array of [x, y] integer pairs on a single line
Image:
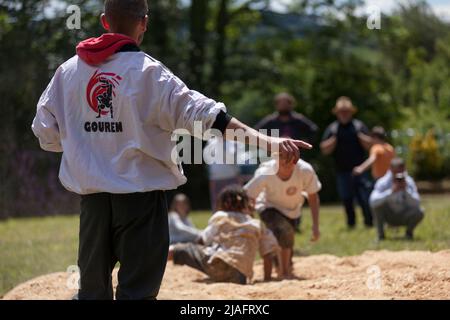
{"points": [[241, 53]]}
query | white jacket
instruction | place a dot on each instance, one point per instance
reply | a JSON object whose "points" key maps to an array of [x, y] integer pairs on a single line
{"points": [[113, 123]]}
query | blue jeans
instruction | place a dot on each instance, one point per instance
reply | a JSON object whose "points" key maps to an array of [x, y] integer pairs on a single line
{"points": [[351, 187]]}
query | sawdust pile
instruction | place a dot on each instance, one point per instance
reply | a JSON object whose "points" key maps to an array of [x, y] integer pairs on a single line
{"points": [[372, 275]]}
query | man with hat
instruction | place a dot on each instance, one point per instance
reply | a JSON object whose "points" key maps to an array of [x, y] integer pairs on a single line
{"points": [[347, 139]]}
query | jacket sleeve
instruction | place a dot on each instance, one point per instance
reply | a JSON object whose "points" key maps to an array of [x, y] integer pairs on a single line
{"points": [[182, 230], [312, 183], [45, 127], [182, 108], [411, 189], [381, 191]]}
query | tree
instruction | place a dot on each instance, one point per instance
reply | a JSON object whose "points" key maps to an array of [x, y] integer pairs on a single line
{"points": [[198, 19]]}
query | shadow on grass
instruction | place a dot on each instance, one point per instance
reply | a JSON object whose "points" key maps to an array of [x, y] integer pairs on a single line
{"points": [[397, 238]]}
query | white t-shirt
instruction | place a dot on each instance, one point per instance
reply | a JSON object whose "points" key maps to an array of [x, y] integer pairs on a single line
{"points": [[286, 196]]}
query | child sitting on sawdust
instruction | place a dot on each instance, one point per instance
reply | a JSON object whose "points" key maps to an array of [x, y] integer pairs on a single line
{"points": [[230, 242]]}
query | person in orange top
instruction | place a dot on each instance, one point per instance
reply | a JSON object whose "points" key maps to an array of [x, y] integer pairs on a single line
{"points": [[381, 155]]}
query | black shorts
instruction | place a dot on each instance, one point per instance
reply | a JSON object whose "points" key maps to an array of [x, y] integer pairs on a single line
{"points": [[282, 227]]}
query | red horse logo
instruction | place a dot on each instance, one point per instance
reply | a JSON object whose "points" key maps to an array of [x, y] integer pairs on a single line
{"points": [[100, 91]]}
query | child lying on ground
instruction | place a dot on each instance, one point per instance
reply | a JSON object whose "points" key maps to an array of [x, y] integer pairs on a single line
{"points": [[279, 198], [230, 242]]}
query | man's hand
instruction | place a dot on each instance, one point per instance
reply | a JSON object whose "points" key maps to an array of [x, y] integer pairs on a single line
{"points": [[398, 185], [288, 149], [333, 139], [315, 234], [358, 171]]}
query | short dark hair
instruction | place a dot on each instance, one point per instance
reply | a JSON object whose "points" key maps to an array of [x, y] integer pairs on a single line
{"points": [[123, 15], [233, 198], [397, 163], [379, 132]]}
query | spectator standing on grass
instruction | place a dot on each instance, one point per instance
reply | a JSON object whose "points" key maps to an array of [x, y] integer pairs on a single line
{"points": [[181, 228], [381, 155], [347, 139], [289, 123], [395, 200]]}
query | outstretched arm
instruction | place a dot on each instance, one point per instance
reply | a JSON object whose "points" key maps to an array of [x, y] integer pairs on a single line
{"points": [[364, 166], [45, 126], [181, 108], [287, 148]]}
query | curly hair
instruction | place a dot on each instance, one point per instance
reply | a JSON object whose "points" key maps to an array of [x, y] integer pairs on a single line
{"points": [[233, 198]]}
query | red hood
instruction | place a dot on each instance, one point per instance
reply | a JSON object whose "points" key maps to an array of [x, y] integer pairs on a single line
{"points": [[96, 50]]}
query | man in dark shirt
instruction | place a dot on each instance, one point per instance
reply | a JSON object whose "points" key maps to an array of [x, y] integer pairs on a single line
{"points": [[289, 123], [347, 140]]}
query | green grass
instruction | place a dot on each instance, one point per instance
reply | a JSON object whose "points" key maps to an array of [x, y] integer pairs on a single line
{"points": [[34, 246]]}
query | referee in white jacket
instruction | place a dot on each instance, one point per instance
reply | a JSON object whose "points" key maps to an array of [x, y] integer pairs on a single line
{"points": [[111, 110]]}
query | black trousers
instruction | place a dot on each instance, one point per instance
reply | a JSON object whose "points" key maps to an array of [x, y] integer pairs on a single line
{"points": [[131, 229]]}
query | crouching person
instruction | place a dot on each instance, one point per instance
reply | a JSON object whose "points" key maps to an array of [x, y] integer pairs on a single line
{"points": [[230, 242], [395, 200], [279, 188]]}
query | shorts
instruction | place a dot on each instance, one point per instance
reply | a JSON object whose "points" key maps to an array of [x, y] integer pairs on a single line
{"points": [[194, 256], [282, 227]]}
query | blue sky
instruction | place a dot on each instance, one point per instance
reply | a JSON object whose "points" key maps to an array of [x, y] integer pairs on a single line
{"points": [[440, 7]]}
